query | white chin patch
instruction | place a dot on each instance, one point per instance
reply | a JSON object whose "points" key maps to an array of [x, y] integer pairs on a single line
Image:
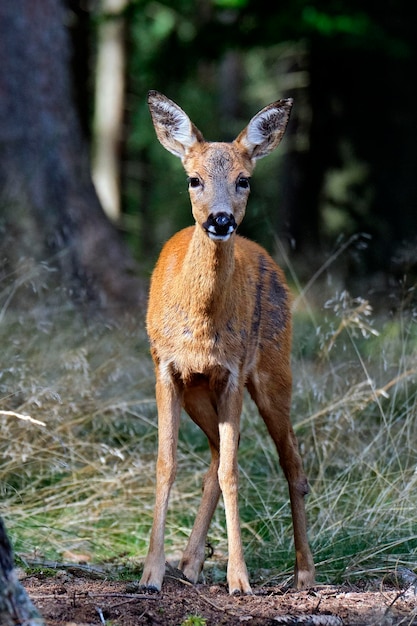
{"points": [[215, 237]]}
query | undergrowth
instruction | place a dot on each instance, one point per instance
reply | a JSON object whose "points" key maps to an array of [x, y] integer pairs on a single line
{"points": [[78, 443]]}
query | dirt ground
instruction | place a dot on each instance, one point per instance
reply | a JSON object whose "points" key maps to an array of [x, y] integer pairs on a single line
{"points": [[72, 600]]}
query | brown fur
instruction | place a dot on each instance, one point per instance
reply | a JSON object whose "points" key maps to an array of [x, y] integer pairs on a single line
{"points": [[219, 321]]}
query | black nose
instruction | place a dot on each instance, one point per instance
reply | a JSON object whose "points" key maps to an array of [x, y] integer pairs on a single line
{"points": [[223, 220], [220, 225]]}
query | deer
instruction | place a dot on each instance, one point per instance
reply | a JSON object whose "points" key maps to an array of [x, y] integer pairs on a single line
{"points": [[219, 321]]}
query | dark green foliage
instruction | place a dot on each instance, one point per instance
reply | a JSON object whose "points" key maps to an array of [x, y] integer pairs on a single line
{"points": [[347, 163]]}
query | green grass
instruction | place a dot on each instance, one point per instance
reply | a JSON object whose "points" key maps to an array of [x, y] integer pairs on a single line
{"points": [[82, 480]]}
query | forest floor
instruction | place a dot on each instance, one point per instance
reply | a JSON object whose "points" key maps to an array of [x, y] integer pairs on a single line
{"points": [[73, 600]]}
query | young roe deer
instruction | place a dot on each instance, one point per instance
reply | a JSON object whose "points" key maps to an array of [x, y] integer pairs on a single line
{"points": [[219, 321]]}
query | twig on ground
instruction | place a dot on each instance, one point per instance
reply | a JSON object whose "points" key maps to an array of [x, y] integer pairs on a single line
{"points": [[26, 418]]}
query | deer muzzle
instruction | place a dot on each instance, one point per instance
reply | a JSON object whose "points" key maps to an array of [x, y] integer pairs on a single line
{"points": [[219, 226]]}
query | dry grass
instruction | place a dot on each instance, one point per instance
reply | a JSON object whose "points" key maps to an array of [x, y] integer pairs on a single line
{"points": [[79, 475]]}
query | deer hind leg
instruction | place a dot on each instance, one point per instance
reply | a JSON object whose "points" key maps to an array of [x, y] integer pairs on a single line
{"points": [[199, 407], [273, 401], [169, 409]]}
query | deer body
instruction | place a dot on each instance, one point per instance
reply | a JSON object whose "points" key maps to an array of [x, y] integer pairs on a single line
{"points": [[218, 321]]}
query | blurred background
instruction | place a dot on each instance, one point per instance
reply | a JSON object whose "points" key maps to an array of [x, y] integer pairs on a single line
{"points": [[74, 83]]}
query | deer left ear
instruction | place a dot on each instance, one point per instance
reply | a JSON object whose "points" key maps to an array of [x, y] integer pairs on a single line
{"points": [[173, 127], [266, 129]]}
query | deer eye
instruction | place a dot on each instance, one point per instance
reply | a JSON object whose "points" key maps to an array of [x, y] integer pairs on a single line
{"points": [[193, 181], [242, 182]]}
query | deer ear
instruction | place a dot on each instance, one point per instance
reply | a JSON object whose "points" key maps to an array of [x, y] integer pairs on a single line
{"points": [[266, 129], [173, 127]]}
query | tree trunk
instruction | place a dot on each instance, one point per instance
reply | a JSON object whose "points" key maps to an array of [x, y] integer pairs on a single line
{"points": [[49, 211], [15, 606], [109, 106]]}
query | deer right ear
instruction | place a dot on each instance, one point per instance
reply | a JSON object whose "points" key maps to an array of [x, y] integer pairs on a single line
{"points": [[173, 127], [266, 129]]}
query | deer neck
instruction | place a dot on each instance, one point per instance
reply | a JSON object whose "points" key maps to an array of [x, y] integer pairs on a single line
{"points": [[209, 266]]}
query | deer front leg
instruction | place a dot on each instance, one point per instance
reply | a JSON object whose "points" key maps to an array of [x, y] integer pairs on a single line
{"points": [[169, 408], [237, 574]]}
